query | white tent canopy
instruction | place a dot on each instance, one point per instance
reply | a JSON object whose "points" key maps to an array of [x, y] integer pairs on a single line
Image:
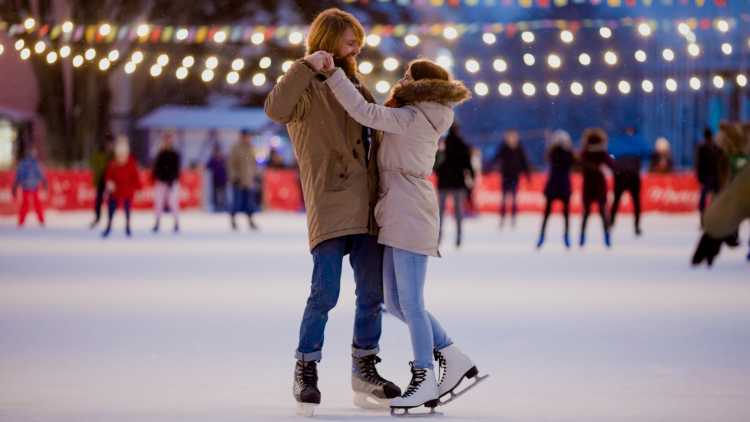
{"points": [[183, 117]]}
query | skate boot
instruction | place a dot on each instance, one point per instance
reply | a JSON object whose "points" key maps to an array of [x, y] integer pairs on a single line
{"points": [[106, 231], [607, 240], [454, 367], [371, 391], [733, 240], [176, 228], [156, 227], [422, 391], [305, 387], [582, 240], [566, 241], [540, 242]]}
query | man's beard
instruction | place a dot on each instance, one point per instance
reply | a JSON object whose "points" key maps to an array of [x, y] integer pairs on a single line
{"points": [[348, 64]]}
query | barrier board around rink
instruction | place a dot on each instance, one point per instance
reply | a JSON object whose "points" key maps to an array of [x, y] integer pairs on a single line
{"points": [[72, 190]]}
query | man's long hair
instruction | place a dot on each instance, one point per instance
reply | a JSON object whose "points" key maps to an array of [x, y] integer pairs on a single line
{"points": [[326, 32]]}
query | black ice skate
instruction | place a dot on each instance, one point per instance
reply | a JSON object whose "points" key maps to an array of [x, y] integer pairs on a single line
{"points": [[306, 387], [371, 391], [455, 367]]}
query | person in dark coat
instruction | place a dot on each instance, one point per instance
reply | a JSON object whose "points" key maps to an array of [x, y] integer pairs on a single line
{"points": [[558, 188], [166, 175], [707, 169], [627, 175], [217, 165], [593, 157], [452, 171], [98, 163], [511, 158]]}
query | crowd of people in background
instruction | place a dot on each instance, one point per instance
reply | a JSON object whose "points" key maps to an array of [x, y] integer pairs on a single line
{"points": [[116, 179], [235, 178], [717, 161]]}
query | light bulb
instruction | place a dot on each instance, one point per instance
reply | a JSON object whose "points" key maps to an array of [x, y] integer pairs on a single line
{"points": [[505, 89], [373, 40], [412, 40], [472, 66], [365, 68], [553, 89], [584, 59], [528, 89], [500, 65], [600, 87], [481, 89], [382, 87]]}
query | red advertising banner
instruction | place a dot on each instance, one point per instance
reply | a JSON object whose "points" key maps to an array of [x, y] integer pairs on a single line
{"points": [[282, 190], [72, 190], [675, 192]]}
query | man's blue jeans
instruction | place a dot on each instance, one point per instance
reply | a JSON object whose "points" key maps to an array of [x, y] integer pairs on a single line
{"points": [[366, 259]]}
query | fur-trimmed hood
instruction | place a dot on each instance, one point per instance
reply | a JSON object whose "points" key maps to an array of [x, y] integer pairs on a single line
{"points": [[447, 93]]}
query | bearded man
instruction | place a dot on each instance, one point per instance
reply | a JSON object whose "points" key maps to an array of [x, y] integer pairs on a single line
{"points": [[339, 175]]}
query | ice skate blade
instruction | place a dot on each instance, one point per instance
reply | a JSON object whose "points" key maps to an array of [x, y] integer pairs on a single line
{"points": [[306, 409], [370, 402], [405, 412], [453, 394]]}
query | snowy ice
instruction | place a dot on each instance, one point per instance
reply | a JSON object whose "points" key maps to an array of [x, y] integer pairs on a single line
{"points": [[202, 326]]}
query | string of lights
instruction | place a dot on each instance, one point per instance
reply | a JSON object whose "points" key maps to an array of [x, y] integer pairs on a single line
{"points": [[236, 70]]}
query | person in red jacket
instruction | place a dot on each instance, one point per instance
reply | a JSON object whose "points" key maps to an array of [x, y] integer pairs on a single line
{"points": [[122, 182]]}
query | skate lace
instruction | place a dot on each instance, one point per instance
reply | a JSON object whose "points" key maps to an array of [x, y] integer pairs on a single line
{"points": [[418, 375], [369, 371], [442, 366], [309, 374]]}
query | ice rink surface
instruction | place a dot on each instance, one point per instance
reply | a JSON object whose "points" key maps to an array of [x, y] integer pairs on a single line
{"points": [[202, 326]]}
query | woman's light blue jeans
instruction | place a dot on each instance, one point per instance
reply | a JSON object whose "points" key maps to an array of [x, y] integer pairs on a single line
{"points": [[403, 291]]}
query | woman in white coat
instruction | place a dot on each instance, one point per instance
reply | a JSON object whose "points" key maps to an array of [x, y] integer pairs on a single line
{"points": [[419, 111]]}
